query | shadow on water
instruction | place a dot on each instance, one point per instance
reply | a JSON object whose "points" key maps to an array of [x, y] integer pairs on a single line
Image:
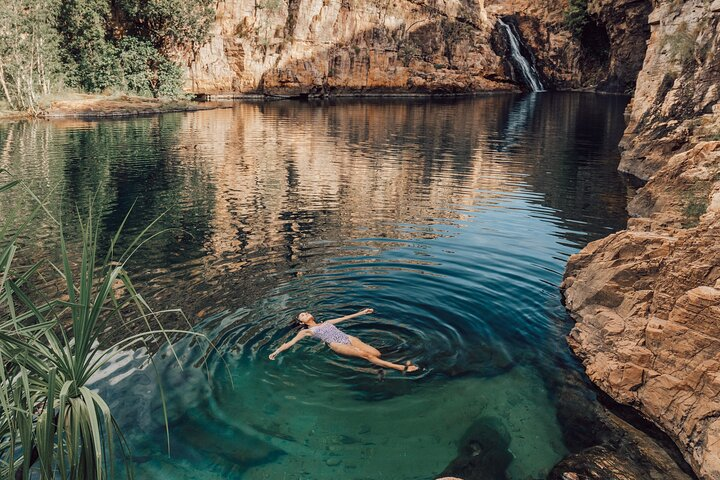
{"points": [[452, 218]]}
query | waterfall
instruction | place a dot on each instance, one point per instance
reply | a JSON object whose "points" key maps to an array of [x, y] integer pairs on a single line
{"points": [[527, 69]]}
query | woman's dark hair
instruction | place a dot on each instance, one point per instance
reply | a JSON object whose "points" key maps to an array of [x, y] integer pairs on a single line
{"points": [[297, 323]]}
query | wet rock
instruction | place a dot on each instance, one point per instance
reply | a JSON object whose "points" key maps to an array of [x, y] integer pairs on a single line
{"points": [[624, 453], [647, 300], [600, 463], [606, 56], [483, 452], [647, 306], [607, 440], [333, 462]]}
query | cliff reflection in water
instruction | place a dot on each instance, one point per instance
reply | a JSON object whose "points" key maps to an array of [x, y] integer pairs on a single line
{"points": [[249, 188], [453, 218]]}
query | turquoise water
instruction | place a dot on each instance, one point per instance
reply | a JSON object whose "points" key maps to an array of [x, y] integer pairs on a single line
{"points": [[453, 219]]}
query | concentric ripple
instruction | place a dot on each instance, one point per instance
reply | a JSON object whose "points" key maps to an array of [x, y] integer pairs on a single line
{"points": [[453, 219]]}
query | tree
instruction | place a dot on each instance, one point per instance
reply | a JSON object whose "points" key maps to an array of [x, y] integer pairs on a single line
{"points": [[576, 16], [92, 58], [170, 25], [29, 52]]}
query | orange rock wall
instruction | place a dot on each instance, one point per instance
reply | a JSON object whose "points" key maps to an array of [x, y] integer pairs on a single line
{"points": [[346, 46], [647, 300]]}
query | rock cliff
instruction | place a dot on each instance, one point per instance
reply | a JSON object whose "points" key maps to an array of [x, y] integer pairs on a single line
{"points": [[606, 55], [302, 47], [676, 102], [647, 300], [311, 47]]}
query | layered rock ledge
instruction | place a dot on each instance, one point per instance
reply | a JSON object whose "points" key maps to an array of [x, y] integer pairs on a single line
{"points": [[647, 305], [647, 300], [331, 47]]}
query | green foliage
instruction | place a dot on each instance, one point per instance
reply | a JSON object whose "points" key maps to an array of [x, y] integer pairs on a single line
{"points": [[97, 45], [168, 24], [682, 44], [454, 32], [29, 54], [694, 209], [137, 59], [50, 420], [271, 5], [696, 203], [576, 17], [408, 51], [91, 57], [169, 78], [146, 72]]}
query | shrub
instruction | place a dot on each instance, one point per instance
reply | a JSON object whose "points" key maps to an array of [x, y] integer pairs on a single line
{"points": [[85, 48], [407, 52], [170, 25], [169, 79], [696, 203], [50, 421], [137, 60], [576, 17], [681, 44]]}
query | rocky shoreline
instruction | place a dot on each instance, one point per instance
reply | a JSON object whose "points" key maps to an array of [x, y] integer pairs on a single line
{"points": [[647, 300], [106, 106]]}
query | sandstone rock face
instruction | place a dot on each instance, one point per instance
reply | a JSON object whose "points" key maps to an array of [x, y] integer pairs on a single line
{"points": [[647, 305], [313, 47], [623, 24], [676, 101], [607, 56], [305, 47], [647, 300]]}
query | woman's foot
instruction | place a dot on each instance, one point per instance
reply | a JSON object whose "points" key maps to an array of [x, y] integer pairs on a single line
{"points": [[409, 367]]}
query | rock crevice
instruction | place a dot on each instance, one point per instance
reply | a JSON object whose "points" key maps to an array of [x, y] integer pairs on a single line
{"points": [[647, 300]]}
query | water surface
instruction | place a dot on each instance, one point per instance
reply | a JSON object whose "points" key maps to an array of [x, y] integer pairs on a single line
{"points": [[453, 219]]}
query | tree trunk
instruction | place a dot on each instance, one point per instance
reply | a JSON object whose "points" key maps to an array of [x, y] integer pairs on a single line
{"points": [[4, 86]]}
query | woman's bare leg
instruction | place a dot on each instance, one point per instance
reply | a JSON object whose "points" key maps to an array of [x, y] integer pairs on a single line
{"points": [[351, 351], [357, 343]]}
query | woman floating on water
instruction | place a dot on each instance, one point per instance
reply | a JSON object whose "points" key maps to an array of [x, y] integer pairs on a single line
{"points": [[340, 342]]}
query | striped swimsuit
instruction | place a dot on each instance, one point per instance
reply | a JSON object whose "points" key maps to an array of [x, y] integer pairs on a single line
{"points": [[329, 333]]}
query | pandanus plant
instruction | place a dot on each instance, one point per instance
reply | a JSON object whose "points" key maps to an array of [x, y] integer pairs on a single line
{"points": [[51, 423]]}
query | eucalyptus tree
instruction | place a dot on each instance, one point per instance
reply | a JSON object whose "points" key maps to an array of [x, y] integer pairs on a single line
{"points": [[29, 52]]}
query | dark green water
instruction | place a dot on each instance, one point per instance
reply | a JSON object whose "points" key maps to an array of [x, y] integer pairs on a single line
{"points": [[453, 219]]}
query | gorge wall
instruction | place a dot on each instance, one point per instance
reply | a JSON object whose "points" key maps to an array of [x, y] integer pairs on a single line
{"points": [[647, 300], [310, 47], [321, 46], [605, 56]]}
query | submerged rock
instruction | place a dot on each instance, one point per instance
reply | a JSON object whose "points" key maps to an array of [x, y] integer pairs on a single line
{"points": [[623, 453], [483, 453], [601, 463]]}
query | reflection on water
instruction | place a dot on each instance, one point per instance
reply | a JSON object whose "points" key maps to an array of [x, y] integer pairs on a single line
{"points": [[452, 218]]}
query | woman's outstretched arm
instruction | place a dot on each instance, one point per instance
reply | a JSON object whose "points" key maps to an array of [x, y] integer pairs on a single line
{"points": [[367, 311], [285, 346]]}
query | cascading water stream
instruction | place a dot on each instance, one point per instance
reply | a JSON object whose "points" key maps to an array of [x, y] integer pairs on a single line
{"points": [[527, 69]]}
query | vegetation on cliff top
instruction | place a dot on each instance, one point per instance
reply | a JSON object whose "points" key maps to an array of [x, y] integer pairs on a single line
{"points": [[576, 16], [96, 46]]}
